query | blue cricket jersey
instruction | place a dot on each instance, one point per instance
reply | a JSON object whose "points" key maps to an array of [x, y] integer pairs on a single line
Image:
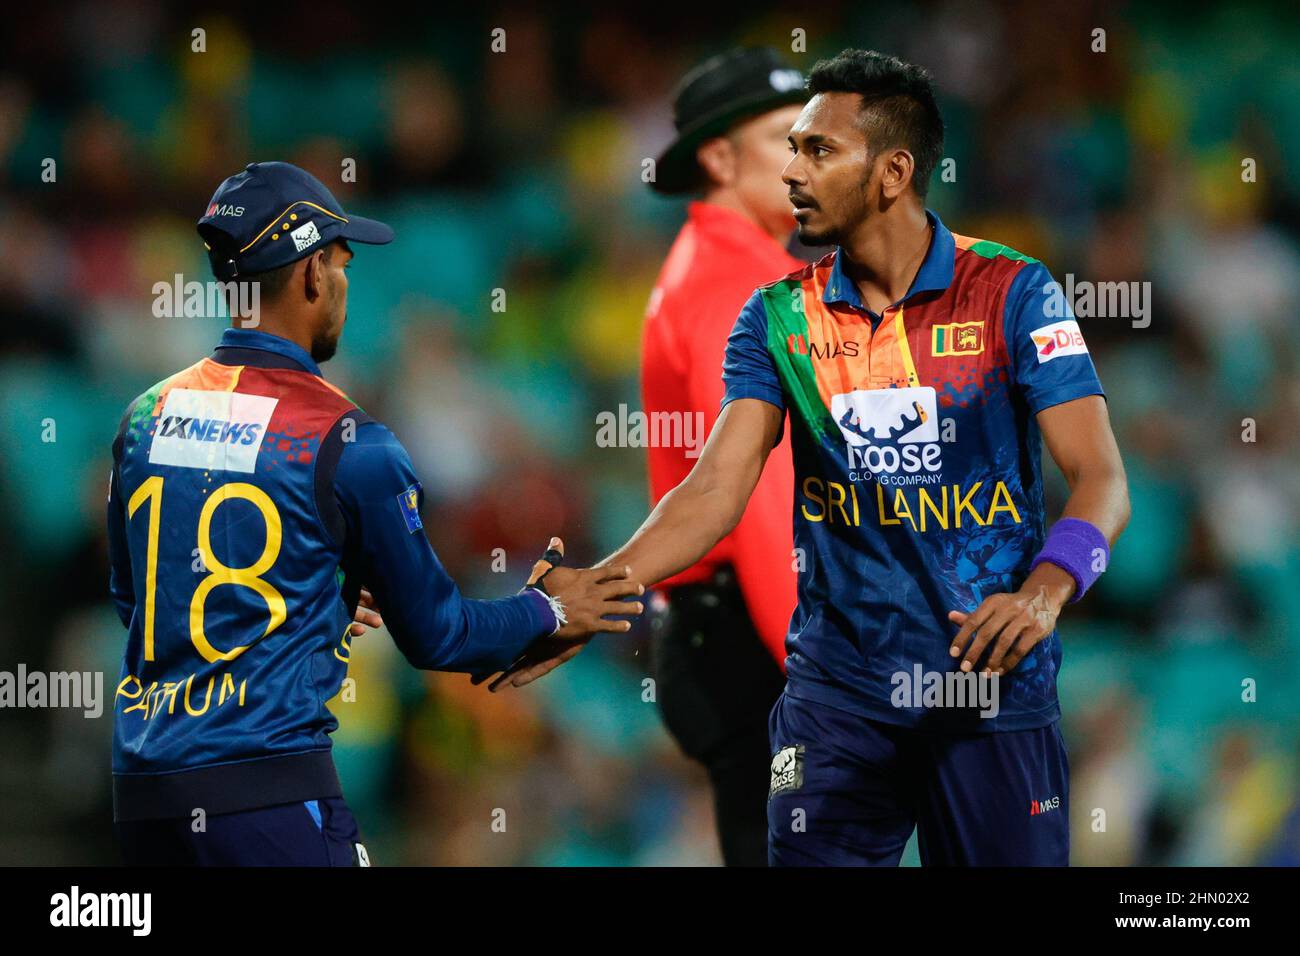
{"points": [[249, 502], [918, 485]]}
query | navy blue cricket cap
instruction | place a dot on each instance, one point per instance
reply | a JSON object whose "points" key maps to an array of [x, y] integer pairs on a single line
{"points": [[272, 214]]}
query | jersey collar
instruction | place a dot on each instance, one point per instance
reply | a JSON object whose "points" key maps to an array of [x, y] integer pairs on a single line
{"points": [[934, 275], [265, 342]]}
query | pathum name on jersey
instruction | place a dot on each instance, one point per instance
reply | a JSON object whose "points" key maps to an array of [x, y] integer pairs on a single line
{"points": [[215, 431]]}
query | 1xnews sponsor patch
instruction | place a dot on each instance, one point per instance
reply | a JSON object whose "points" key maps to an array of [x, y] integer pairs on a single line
{"points": [[215, 431]]}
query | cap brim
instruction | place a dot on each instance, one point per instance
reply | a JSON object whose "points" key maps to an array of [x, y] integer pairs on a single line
{"points": [[676, 169], [372, 231]]}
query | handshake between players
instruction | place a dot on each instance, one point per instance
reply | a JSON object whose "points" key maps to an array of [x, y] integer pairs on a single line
{"points": [[585, 602]]}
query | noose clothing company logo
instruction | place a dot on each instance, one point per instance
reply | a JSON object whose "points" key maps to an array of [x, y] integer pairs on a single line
{"points": [[892, 434], [305, 236], [787, 770], [892, 441]]}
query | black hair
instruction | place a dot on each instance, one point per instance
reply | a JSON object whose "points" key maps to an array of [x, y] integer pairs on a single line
{"points": [[898, 105], [274, 281]]}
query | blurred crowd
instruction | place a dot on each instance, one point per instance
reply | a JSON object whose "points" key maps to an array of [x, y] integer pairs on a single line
{"points": [[520, 171]]}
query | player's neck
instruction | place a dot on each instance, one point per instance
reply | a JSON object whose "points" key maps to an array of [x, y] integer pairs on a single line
{"points": [[885, 253], [281, 328], [728, 198]]}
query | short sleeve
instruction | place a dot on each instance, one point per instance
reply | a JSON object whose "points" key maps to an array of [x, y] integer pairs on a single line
{"points": [[747, 368], [1049, 358]]}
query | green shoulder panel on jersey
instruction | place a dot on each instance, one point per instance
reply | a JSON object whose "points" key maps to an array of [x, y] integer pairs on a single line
{"points": [[988, 249], [784, 302], [141, 409]]}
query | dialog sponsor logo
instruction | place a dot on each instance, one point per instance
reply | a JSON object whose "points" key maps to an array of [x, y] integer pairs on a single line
{"points": [[1058, 339]]}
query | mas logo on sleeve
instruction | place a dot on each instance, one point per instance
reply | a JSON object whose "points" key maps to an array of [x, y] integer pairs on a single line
{"points": [[1059, 338], [409, 502]]}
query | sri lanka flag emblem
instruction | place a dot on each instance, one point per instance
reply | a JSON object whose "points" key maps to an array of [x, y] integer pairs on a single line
{"points": [[958, 338], [409, 501]]}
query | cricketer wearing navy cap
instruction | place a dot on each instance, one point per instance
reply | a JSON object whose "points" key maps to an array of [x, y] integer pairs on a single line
{"points": [[292, 498], [272, 214]]}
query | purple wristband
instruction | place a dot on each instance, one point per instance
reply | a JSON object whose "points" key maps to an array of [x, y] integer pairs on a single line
{"points": [[1073, 545]]}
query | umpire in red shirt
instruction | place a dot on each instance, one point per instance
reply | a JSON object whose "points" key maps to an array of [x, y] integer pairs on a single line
{"points": [[719, 627]]}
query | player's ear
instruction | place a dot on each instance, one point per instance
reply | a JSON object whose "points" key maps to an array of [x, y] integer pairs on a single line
{"points": [[896, 173], [717, 157], [314, 275]]}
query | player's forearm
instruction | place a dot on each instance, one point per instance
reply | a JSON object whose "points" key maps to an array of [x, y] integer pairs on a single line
{"points": [[473, 636], [1099, 495], [704, 508], [684, 526], [432, 624], [439, 630], [1081, 442]]}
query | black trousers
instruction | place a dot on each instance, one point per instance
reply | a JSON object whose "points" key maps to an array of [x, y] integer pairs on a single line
{"points": [[308, 833], [716, 684]]}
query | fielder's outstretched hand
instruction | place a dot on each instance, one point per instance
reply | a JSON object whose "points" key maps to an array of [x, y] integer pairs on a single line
{"points": [[588, 597]]}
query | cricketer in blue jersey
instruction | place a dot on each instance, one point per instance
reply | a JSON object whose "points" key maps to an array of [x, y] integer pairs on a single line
{"points": [[922, 371], [249, 502]]}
